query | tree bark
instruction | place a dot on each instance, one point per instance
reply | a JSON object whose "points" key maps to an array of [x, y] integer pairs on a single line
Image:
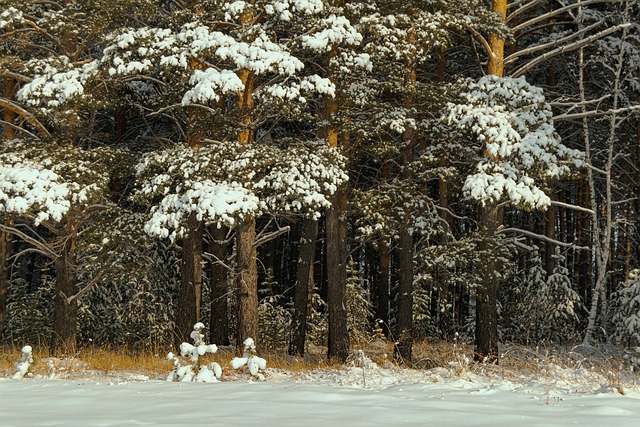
{"points": [[219, 323], [8, 91], [188, 311], [5, 252], [337, 276], [486, 345], [495, 65], [247, 282], [381, 289], [304, 285], [65, 314], [405, 295]]}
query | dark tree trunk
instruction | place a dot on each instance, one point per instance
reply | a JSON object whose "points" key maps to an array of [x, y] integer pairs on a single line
{"points": [[550, 232], [8, 91], [486, 346], [304, 285], [583, 257], [5, 252], [405, 296], [65, 314], [188, 310], [380, 295], [219, 326], [247, 282], [337, 276]]}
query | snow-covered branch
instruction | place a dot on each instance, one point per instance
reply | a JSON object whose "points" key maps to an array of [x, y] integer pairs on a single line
{"points": [[541, 237], [566, 48]]}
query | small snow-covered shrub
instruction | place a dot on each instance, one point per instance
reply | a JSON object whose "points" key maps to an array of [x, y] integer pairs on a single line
{"points": [[626, 306], [193, 371], [275, 322], [546, 308], [317, 321], [359, 310], [29, 311], [249, 359], [23, 364]]}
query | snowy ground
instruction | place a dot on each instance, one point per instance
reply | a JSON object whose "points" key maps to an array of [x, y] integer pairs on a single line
{"points": [[345, 397]]}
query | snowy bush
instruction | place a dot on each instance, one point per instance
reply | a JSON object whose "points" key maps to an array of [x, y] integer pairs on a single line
{"points": [[249, 359], [626, 304], [548, 307], [194, 371], [359, 311], [29, 312], [317, 321], [23, 364], [274, 322]]}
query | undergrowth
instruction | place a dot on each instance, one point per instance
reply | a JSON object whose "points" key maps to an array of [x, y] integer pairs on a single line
{"points": [[516, 361]]}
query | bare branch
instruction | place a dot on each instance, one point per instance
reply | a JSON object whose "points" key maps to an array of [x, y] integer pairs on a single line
{"points": [[481, 39], [563, 117], [18, 128], [511, 58], [5, 103], [521, 9], [15, 76], [271, 236], [560, 11], [39, 245], [215, 260], [567, 48], [569, 206], [542, 237], [575, 104]]}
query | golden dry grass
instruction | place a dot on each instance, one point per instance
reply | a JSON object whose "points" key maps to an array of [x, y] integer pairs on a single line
{"points": [[515, 361]]}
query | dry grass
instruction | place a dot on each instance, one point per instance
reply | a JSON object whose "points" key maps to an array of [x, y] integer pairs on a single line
{"points": [[515, 361]]}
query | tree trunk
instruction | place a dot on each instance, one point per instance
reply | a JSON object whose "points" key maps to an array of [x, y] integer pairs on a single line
{"points": [[247, 282], [381, 289], [304, 285], [219, 324], [188, 311], [405, 295], [5, 252], [65, 314], [337, 276], [8, 91], [495, 65], [486, 346]]}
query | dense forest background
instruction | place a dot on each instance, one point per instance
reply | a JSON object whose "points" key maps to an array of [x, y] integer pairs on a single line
{"points": [[320, 172]]}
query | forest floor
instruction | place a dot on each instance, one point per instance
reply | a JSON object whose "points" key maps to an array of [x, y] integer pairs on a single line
{"points": [[530, 386]]}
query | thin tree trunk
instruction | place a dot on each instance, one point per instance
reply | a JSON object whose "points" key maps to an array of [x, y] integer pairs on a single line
{"points": [[247, 282], [188, 310], [9, 115], [219, 324], [603, 234], [304, 284], [65, 314], [382, 285], [5, 253], [550, 232]]}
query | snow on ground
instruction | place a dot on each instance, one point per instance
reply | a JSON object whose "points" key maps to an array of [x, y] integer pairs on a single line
{"points": [[351, 396]]}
